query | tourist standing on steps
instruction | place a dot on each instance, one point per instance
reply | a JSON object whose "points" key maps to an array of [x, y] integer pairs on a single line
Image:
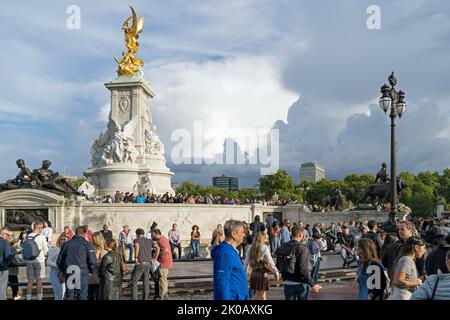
{"points": [[297, 282], [77, 254], [143, 248], [164, 257], [261, 264], [99, 244], [35, 248], [195, 241], [6, 257], [13, 276], [217, 236], [47, 232], [285, 233], [110, 273], [59, 288], [230, 282]]}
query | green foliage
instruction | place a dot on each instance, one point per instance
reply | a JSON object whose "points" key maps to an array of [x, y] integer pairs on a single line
{"points": [[77, 183], [425, 190], [280, 183], [320, 192], [353, 186]]}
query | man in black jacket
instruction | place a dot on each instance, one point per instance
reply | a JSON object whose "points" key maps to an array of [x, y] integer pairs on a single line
{"points": [[296, 285], [77, 260], [107, 234], [255, 227], [374, 236], [436, 260]]}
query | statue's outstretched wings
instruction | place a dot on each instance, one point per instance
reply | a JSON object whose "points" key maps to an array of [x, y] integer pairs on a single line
{"points": [[129, 128], [138, 25]]}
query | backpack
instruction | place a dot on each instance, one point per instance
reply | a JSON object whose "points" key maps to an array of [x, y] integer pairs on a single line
{"points": [[30, 249], [381, 293], [286, 258]]}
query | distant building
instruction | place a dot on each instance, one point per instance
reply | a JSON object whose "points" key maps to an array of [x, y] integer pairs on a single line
{"points": [[223, 182], [311, 172]]}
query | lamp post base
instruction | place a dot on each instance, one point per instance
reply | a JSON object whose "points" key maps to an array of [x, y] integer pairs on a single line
{"points": [[390, 225]]}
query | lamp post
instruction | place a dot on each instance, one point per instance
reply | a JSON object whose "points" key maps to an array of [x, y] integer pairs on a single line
{"points": [[395, 101]]}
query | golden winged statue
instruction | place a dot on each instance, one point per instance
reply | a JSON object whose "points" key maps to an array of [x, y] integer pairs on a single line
{"points": [[129, 64]]}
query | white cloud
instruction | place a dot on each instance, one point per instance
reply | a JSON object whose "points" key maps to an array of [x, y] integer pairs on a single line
{"points": [[231, 97]]}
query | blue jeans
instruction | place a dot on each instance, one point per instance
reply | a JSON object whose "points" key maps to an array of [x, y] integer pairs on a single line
{"points": [[315, 270], [275, 242], [82, 292], [251, 294], [195, 246], [296, 291], [58, 287], [130, 247], [363, 289]]}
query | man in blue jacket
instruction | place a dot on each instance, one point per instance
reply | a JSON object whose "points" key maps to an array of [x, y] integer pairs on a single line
{"points": [[77, 259], [230, 282], [6, 256]]}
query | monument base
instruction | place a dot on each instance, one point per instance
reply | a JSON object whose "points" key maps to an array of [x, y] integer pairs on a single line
{"points": [[129, 178]]}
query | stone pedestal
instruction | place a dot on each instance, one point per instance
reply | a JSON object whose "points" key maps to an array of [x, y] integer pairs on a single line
{"points": [[129, 156]]}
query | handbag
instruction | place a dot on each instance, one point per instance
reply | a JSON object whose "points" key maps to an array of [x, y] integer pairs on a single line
{"points": [[61, 277], [123, 265], [264, 266]]}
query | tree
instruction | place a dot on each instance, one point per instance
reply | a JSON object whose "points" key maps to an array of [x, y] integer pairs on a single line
{"points": [[443, 189], [189, 188], [279, 182], [77, 183], [320, 192], [353, 186], [419, 196]]}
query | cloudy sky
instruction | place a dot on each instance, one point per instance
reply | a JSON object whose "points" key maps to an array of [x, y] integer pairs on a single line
{"points": [[312, 70]]}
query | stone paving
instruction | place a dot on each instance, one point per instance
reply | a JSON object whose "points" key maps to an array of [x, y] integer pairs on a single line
{"points": [[346, 290]]}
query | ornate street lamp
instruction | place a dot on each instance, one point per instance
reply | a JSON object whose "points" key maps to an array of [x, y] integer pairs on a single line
{"points": [[395, 101]]}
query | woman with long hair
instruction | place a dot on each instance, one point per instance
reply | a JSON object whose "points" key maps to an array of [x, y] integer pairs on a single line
{"points": [[367, 251], [261, 263], [195, 241], [110, 273], [405, 280], [217, 236], [98, 241]]}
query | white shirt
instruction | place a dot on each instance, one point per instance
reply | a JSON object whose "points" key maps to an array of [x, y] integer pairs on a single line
{"points": [[266, 256], [53, 256], [128, 239], [48, 233], [41, 242]]}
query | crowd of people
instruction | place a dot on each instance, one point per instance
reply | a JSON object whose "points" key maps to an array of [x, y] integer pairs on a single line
{"points": [[97, 258], [148, 197], [414, 263]]}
